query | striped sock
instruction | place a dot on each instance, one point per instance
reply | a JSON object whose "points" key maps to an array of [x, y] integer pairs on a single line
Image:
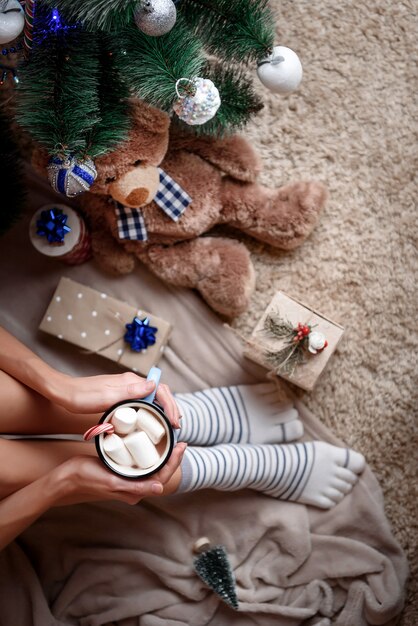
{"points": [[242, 414], [314, 472]]}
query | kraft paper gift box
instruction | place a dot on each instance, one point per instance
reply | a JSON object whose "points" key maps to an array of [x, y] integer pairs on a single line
{"points": [[96, 322], [304, 375]]}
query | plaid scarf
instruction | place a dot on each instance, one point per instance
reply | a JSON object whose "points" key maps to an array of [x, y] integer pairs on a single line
{"points": [[170, 197]]}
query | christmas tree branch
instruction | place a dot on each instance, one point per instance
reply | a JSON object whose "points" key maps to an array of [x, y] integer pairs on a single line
{"points": [[152, 65], [238, 30], [238, 101], [58, 102], [107, 15], [114, 120]]}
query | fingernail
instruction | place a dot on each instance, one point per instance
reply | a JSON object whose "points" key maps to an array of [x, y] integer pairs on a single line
{"points": [[157, 488], [149, 385]]}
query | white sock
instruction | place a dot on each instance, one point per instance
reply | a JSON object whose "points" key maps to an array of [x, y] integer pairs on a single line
{"points": [[242, 414], [314, 472]]}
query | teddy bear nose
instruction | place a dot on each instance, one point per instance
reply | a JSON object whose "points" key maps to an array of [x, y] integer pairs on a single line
{"points": [[138, 196]]}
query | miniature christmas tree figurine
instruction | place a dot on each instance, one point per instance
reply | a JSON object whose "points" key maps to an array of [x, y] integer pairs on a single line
{"points": [[213, 567]]}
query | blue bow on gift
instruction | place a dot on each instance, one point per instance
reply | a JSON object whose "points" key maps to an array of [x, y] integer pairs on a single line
{"points": [[53, 225], [140, 334]]}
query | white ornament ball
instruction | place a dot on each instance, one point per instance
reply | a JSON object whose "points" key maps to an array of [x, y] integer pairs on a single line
{"points": [[281, 72], [317, 342], [155, 17], [12, 21], [200, 107]]}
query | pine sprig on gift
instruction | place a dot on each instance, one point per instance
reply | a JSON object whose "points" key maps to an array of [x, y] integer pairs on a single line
{"points": [[278, 327], [285, 360], [296, 341]]}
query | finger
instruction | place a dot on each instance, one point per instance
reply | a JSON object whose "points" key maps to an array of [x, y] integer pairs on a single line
{"points": [[146, 490], [167, 401], [139, 388], [139, 488], [172, 464]]}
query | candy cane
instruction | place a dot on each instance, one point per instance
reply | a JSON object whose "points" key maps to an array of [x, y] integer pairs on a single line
{"points": [[28, 30]]}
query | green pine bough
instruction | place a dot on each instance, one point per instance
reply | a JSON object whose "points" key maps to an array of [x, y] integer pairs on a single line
{"points": [[75, 87], [151, 66], [102, 15], [71, 99], [238, 30], [238, 101], [113, 122], [242, 30]]}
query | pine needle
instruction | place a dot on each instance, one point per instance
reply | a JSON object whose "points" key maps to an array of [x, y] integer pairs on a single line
{"points": [[238, 30], [106, 15], [286, 359], [151, 66]]}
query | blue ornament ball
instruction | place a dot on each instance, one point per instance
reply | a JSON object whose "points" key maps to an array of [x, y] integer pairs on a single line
{"points": [[71, 176]]}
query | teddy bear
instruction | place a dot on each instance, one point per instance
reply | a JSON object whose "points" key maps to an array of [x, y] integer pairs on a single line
{"points": [[218, 178]]}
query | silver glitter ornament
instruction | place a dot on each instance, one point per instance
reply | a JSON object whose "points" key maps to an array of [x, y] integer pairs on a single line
{"points": [[71, 176], [155, 17]]}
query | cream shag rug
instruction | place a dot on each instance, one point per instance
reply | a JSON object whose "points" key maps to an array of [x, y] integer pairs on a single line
{"points": [[351, 126]]}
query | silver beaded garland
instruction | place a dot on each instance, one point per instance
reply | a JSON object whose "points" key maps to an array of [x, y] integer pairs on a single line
{"points": [[155, 17]]}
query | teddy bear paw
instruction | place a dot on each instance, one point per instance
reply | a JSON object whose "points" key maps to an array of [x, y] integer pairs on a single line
{"points": [[299, 207]]}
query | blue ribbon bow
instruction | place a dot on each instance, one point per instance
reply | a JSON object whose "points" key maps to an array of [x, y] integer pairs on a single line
{"points": [[140, 334], [53, 225]]}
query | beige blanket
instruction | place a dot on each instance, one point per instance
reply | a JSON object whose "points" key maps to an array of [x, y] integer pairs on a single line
{"points": [[114, 564]]}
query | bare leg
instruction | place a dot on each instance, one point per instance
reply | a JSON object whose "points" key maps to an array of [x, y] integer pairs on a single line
{"points": [[24, 461], [23, 411]]}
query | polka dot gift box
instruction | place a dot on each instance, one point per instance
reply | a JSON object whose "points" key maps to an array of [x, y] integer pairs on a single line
{"points": [[103, 325]]}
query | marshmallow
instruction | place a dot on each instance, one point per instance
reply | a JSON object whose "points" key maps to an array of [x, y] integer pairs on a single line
{"points": [[115, 448], [150, 425], [142, 449], [124, 420]]}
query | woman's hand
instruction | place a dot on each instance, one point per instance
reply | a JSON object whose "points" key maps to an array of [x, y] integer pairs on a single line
{"points": [[94, 394], [91, 394], [85, 479], [81, 479]]}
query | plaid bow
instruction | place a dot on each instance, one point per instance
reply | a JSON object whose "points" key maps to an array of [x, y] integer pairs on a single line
{"points": [[170, 197]]}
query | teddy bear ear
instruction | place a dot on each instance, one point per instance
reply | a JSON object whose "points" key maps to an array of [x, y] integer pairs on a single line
{"points": [[146, 144]]}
